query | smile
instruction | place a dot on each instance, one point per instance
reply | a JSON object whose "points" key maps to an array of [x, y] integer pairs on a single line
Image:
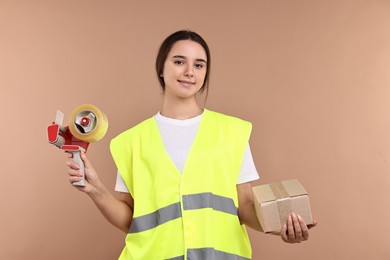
{"points": [[186, 82]]}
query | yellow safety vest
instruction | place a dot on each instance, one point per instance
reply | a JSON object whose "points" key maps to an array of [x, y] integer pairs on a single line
{"points": [[190, 215]]}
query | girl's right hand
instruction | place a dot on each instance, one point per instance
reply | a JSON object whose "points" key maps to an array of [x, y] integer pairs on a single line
{"points": [[92, 181]]}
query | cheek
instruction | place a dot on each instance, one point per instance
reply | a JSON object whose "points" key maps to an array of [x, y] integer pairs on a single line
{"points": [[202, 76], [169, 71], [169, 76]]}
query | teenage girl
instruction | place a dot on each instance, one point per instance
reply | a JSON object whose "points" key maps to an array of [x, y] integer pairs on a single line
{"points": [[184, 175]]}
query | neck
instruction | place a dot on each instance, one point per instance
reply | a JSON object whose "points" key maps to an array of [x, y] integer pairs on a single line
{"points": [[180, 109]]}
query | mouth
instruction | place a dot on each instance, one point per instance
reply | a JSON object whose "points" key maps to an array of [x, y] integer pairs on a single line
{"points": [[186, 82]]}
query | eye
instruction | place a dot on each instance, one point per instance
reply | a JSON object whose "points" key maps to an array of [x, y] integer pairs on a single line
{"points": [[199, 65], [179, 62]]}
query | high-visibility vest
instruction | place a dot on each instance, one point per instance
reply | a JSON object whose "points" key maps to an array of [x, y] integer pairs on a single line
{"points": [[190, 215]]}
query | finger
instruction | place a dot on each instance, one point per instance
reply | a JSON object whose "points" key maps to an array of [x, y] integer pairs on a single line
{"points": [[72, 164], [75, 172], [283, 233], [290, 229], [297, 228], [305, 229], [313, 224], [73, 179]]}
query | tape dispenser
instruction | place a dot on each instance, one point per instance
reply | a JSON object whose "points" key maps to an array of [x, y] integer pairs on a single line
{"points": [[87, 124]]}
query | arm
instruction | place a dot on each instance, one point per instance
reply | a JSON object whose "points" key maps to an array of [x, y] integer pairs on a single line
{"points": [[117, 210], [246, 206], [294, 230]]}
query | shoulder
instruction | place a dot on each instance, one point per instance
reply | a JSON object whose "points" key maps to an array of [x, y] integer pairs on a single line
{"points": [[135, 130]]}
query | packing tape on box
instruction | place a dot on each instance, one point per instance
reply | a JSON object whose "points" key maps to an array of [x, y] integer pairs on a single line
{"points": [[283, 201], [278, 190]]}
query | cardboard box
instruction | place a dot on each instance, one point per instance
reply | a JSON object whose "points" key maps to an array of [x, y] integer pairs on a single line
{"points": [[274, 202]]}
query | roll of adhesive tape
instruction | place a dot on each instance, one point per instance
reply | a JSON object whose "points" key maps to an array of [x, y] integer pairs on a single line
{"points": [[88, 123]]}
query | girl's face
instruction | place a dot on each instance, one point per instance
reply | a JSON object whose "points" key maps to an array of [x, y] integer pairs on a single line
{"points": [[185, 69]]}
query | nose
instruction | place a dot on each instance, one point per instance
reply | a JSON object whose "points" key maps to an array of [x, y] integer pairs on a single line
{"points": [[189, 72]]}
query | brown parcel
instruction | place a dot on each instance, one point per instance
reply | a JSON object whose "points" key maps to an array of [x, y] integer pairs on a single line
{"points": [[276, 201]]}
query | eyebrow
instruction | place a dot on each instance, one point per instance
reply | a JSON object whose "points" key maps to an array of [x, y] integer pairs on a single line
{"points": [[184, 57]]}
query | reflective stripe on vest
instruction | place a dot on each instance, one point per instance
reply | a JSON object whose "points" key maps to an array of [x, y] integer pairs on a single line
{"points": [[208, 254], [211, 254], [209, 200], [177, 258], [156, 218], [190, 202]]}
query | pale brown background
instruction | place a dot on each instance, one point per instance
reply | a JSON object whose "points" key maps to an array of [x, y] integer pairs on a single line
{"points": [[312, 76]]}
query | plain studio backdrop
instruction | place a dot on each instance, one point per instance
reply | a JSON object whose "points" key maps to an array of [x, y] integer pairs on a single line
{"points": [[312, 76]]}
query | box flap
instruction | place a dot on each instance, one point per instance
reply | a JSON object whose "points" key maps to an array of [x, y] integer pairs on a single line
{"points": [[294, 188], [266, 193]]}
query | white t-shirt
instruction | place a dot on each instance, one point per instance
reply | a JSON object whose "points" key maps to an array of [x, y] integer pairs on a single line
{"points": [[178, 136]]}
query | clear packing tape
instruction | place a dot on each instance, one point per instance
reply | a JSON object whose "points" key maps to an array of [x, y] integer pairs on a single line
{"points": [[92, 132], [283, 200]]}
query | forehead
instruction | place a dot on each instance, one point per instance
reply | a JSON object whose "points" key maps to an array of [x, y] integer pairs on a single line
{"points": [[188, 49]]}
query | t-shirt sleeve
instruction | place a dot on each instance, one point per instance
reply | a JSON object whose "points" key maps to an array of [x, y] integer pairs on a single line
{"points": [[248, 170], [120, 185]]}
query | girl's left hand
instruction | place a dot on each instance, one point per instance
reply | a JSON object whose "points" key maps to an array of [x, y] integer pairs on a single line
{"points": [[295, 229]]}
